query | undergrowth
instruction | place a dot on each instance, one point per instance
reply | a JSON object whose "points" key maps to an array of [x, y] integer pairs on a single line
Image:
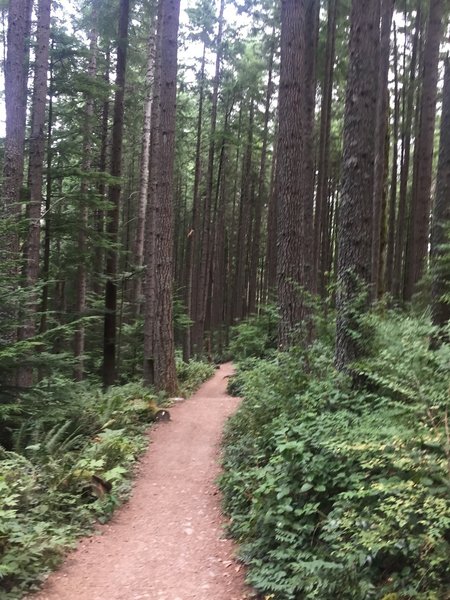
{"points": [[53, 441], [337, 490]]}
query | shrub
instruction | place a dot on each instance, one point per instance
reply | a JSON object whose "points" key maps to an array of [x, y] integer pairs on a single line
{"points": [[46, 500], [192, 374], [340, 492], [62, 433], [256, 336]]}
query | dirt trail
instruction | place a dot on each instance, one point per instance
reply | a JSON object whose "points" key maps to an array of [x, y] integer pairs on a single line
{"points": [[167, 542]]}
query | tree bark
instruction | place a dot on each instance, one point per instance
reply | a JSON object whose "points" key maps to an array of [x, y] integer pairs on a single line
{"points": [[440, 305], [401, 227], [80, 307], [138, 247], [16, 79], [35, 178], [261, 196], [112, 228], [394, 176], [420, 209], [99, 216], [294, 165], [193, 237], [37, 147], [233, 235], [240, 291], [309, 276], [270, 274], [165, 373], [150, 312], [48, 201], [218, 270], [205, 255], [387, 10], [324, 147], [355, 210]]}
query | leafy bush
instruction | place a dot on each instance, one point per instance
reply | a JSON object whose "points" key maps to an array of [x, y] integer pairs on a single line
{"points": [[30, 535], [45, 486], [192, 374], [340, 492], [401, 363], [59, 436], [256, 336]]}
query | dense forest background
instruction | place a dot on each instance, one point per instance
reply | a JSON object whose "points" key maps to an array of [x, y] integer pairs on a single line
{"points": [[104, 239], [254, 179]]}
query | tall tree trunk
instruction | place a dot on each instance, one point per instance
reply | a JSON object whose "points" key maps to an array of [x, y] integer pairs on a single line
{"points": [[240, 292], [80, 307], [16, 79], [387, 10], [405, 167], [193, 236], [45, 273], [99, 216], [309, 277], [324, 146], [261, 196], [384, 221], [329, 250], [420, 209], [150, 306], [112, 228], [355, 210], [394, 175], [233, 234], [294, 164], [412, 199], [138, 251], [441, 220], [218, 270], [164, 350], [35, 175], [37, 147], [271, 246], [205, 255]]}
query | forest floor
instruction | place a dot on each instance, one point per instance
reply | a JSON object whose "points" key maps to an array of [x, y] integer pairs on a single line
{"points": [[168, 541]]}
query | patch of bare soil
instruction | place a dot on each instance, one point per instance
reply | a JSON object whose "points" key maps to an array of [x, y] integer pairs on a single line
{"points": [[168, 541]]}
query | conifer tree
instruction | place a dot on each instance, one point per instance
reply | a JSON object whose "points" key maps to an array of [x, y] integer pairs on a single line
{"points": [[112, 259], [421, 195], [294, 178], [159, 360], [355, 210], [441, 219]]}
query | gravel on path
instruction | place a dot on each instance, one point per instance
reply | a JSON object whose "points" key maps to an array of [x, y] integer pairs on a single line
{"points": [[167, 542]]}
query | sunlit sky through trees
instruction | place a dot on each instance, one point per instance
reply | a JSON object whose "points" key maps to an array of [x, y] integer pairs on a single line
{"points": [[189, 53]]}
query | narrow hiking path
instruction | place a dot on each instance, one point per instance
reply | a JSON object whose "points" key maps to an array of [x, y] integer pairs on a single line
{"points": [[167, 542]]}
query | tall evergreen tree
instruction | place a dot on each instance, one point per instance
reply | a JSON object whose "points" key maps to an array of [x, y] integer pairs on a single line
{"points": [[400, 228], [112, 262], [16, 75], [35, 177], [379, 188], [421, 198], [324, 148], [159, 360], [441, 218], [355, 209], [203, 272], [294, 173], [81, 293]]}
